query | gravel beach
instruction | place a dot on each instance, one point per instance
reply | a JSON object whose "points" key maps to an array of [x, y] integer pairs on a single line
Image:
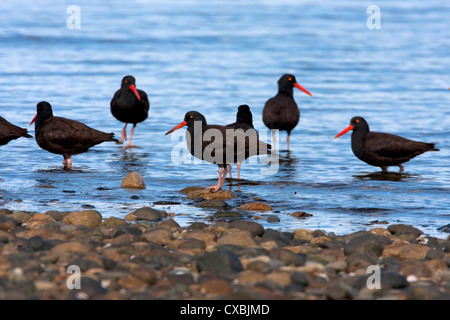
{"points": [[59, 255]]}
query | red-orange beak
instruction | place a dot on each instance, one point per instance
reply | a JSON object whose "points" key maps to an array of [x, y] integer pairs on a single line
{"points": [[302, 89], [350, 127], [178, 126], [133, 88], [33, 119]]}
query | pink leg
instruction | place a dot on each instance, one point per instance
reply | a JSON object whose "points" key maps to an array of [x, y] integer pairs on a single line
{"points": [[239, 171], [67, 162], [288, 140], [222, 175], [402, 168], [123, 137], [229, 168], [129, 145]]}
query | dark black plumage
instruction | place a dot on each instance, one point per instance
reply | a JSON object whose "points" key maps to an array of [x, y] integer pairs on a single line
{"points": [[129, 105], [218, 144], [383, 149], [65, 136], [9, 131], [244, 121], [281, 112]]}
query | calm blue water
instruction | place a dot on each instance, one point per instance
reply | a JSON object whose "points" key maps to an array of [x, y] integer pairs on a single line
{"points": [[211, 57]]}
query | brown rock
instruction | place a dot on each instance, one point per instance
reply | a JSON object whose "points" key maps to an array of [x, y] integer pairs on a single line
{"points": [[303, 234], [402, 250], [301, 214], [256, 206], [113, 221], [158, 235], [210, 195], [216, 287], [237, 237], [88, 218], [62, 249], [133, 180]]}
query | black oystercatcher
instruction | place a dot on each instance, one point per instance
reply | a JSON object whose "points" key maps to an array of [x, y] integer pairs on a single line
{"points": [[217, 144], [9, 132], [382, 149], [129, 105], [64, 136], [244, 121], [281, 112]]}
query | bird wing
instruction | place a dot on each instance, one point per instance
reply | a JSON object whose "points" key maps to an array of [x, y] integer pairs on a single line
{"points": [[393, 146]]}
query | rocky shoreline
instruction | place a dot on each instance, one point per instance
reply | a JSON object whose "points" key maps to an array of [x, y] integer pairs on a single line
{"points": [[147, 255]]}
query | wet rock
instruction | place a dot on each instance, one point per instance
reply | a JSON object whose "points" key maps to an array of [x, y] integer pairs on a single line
{"points": [[88, 218], [190, 189], [147, 214], [255, 206], [214, 203], [220, 262], [398, 229], [301, 214], [254, 228], [133, 180], [210, 195], [227, 214], [445, 228], [273, 219]]}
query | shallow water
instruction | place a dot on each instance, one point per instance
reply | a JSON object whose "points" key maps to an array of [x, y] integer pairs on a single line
{"points": [[212, 57]]}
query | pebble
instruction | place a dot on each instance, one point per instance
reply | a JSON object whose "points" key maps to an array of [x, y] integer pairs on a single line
{"points": [[133, 180], [88, 218], [256, 206], [146, 259]]}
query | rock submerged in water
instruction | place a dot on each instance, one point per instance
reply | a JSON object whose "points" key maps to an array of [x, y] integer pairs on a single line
{"points": [[133, 180], [209, 194], [256, 206]]}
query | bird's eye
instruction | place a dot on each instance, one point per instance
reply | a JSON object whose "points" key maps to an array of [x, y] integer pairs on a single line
{"points": [[357, 120], [290, 79], [126, 81], [191, 117]]}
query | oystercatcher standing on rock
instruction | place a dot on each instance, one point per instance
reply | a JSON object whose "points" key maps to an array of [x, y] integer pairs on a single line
{"points": [[218, 144], [129, 105]]}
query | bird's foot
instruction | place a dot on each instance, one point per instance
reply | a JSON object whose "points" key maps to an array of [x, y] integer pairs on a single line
{"points": [[214, 188], [67, 163], [402, 168], [129, 146]]}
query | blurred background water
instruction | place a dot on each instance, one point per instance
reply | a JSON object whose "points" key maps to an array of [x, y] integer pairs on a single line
{"points": [[211, 57]]}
